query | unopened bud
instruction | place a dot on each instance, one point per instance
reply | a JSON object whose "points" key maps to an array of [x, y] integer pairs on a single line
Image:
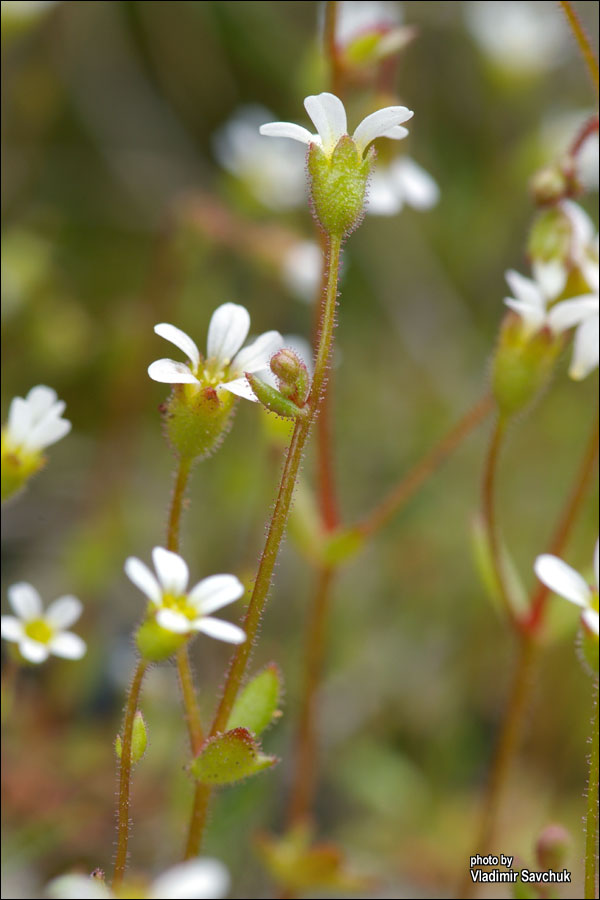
{"points": [[338, 183], [550, 185], [139, 740], [552, 847], [522, 365], [292, 375], [273, 400]]}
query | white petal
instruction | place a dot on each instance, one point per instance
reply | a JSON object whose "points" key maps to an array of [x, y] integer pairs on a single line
{"points": [[571, 312], [77, 887], [241, 388], [172, 571], [41, 400], [258, 354], [174, 621], [227, 332], [379, 123], [167, 371], [19, 420], [533, 318], [418, 187], [551, 277], [199, 879], [25, 601], [586, 350], [525, 290], [591, 619], [67, 645], [562, 579], [143, 579], [397, 133], [213, 593], [583, 227], [287, 130], [62, 613], [33, 651], [222, 631], [181, 340], [329, 118], [47, 432], [12, 628]]}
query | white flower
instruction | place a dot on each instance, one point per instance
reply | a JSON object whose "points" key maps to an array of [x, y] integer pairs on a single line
{"points": [[529, 301], [302, 267], [40, 633], [564, 580], [329, 118], [269, 170], [35, 422], [400, 182], [198, 879], [225, 363], [520, 36], [581, 312], [182, 611], [356, 18], [582, 254]]}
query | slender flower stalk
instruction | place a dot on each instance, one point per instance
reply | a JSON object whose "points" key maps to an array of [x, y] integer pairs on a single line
{"points": [[591, 818], [583, 41], [125, 774]]}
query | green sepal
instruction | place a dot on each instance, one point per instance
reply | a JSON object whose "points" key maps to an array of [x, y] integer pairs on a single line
{"points": [[16, 468], [139, 740], [273, 400], [338, 184], [523, 364], [230, 757], [196, 419], [257, 704], [156, 644]]}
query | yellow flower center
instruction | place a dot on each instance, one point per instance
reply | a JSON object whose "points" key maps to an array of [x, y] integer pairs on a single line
{"points": [[39, 630], [180, 604]]}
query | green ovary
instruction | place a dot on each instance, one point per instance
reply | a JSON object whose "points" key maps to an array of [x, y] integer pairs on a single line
{"points": [[39, 630], [197, 417]]}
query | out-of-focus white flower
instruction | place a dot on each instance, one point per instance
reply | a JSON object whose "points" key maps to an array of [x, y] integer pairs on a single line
{"points": [[198, 879], [40, 633], [400, 182], [35, 422], [586, 163], [581, 312], [564, 580], [26, 9], [328, 115], [271, 170], [225, 363], [532, 305], [581, 253], [521, 37], [181, 611], [358, 18], [302, 268]]}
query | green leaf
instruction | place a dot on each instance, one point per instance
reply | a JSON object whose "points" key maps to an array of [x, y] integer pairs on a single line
{"points": [[139, 739], [482, 553], [229, 757], [256, 705], [342, 545]]}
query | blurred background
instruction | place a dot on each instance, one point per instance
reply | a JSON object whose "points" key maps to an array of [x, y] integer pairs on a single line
{"points": [[129, 198]]}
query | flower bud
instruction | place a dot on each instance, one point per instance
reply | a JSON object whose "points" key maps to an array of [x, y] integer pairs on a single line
{"points": [[196, 419], [549, 185], [552, 847], [522, 364], [338, 183], [292, 375], [156, 644], [17, 466], [273, 400], [139, 739]]}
